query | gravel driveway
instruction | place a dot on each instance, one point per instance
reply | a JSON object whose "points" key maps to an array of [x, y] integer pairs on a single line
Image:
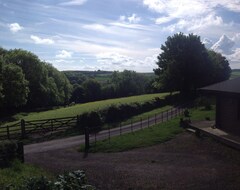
{"points": [[185, 162]]}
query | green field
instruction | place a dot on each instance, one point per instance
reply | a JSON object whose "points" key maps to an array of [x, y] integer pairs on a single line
{"points": [[81, 108], [235, 73]]}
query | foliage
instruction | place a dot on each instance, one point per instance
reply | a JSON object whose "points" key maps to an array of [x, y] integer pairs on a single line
{"points": [[67, 181], [33, 82], [220, 65], [14, 176], [15, 86], [8, 152], [185, 64], [128, 83], [90, 119], [77, 94], [92, 89]]}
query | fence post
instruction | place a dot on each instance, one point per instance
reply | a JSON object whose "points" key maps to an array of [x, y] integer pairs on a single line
{"points": [[23, 129], [20, 151], [141, 122], [86, 131]]}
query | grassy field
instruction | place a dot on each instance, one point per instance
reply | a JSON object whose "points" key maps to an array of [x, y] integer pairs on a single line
{"points": [[235, 73], [81, 108], [149, 136], [18, 172]]}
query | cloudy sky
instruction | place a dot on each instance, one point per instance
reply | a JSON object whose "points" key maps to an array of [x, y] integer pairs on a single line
{"points": [[116, 34]]}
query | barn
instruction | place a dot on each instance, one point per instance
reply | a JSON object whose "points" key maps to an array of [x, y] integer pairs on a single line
{"points": [[227, 95]]}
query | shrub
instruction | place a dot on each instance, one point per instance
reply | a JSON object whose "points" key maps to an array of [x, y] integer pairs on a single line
{"points": [[8, 152], [67, 181], [90, 119]]}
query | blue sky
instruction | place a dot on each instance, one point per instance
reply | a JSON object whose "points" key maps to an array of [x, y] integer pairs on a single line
{"points": [[116, 34]]}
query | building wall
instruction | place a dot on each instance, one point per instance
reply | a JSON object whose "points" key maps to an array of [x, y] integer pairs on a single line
{"points": [[228, 115]]}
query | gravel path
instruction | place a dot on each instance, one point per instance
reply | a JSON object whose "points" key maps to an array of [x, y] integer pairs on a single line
{"points": [[185, 162]]}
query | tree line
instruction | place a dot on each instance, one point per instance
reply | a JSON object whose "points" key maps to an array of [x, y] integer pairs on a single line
{"points": [[26, 81], [116, 84]]}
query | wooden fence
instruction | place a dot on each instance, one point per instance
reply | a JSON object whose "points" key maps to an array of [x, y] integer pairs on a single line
{"points": [[37, 128]]}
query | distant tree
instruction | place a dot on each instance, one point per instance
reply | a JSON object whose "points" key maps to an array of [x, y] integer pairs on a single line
{"points": [[221, 68], [58, 86], [184, 64], [128, 83], [78, 95], [15, 87], [92, 89]]}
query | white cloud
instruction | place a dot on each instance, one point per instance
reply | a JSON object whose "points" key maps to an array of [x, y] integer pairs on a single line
{"points": [[63, 54], [15, 27], [134, 19], [73, 2], [163, 20], [97, 27], [224, 45], [176, 8], [116, 61], [207, 42], [38, 40]]}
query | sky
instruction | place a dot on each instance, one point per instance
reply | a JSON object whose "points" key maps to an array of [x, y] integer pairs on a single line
{"points": [[116, 34]]}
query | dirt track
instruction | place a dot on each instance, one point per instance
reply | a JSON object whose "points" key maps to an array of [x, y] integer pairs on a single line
{"points": [[185, 162]]}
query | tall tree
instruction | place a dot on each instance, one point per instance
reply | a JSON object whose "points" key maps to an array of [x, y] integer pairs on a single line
{"points": [[184, 64], [15, 87]]}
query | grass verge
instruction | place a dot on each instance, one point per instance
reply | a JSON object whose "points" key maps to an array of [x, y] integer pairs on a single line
{"points": [[143, 138], [18, 172], [149, 136]]}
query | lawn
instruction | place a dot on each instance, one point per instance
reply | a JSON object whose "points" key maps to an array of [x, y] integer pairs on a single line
{"points": [[77, 109], [149, 136]]}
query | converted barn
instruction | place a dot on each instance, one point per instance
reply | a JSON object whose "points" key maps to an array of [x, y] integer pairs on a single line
{"points": [[227, 95]]}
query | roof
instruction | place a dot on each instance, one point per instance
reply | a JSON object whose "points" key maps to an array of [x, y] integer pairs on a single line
{"points": [[228, 87]]}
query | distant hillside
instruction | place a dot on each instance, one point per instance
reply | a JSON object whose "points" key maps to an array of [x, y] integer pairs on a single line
{"points": [[102, 77]]}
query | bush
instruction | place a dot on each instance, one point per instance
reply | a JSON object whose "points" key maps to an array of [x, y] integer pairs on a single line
{"points": [[91, 120], [8, 152], [67, 181]]}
